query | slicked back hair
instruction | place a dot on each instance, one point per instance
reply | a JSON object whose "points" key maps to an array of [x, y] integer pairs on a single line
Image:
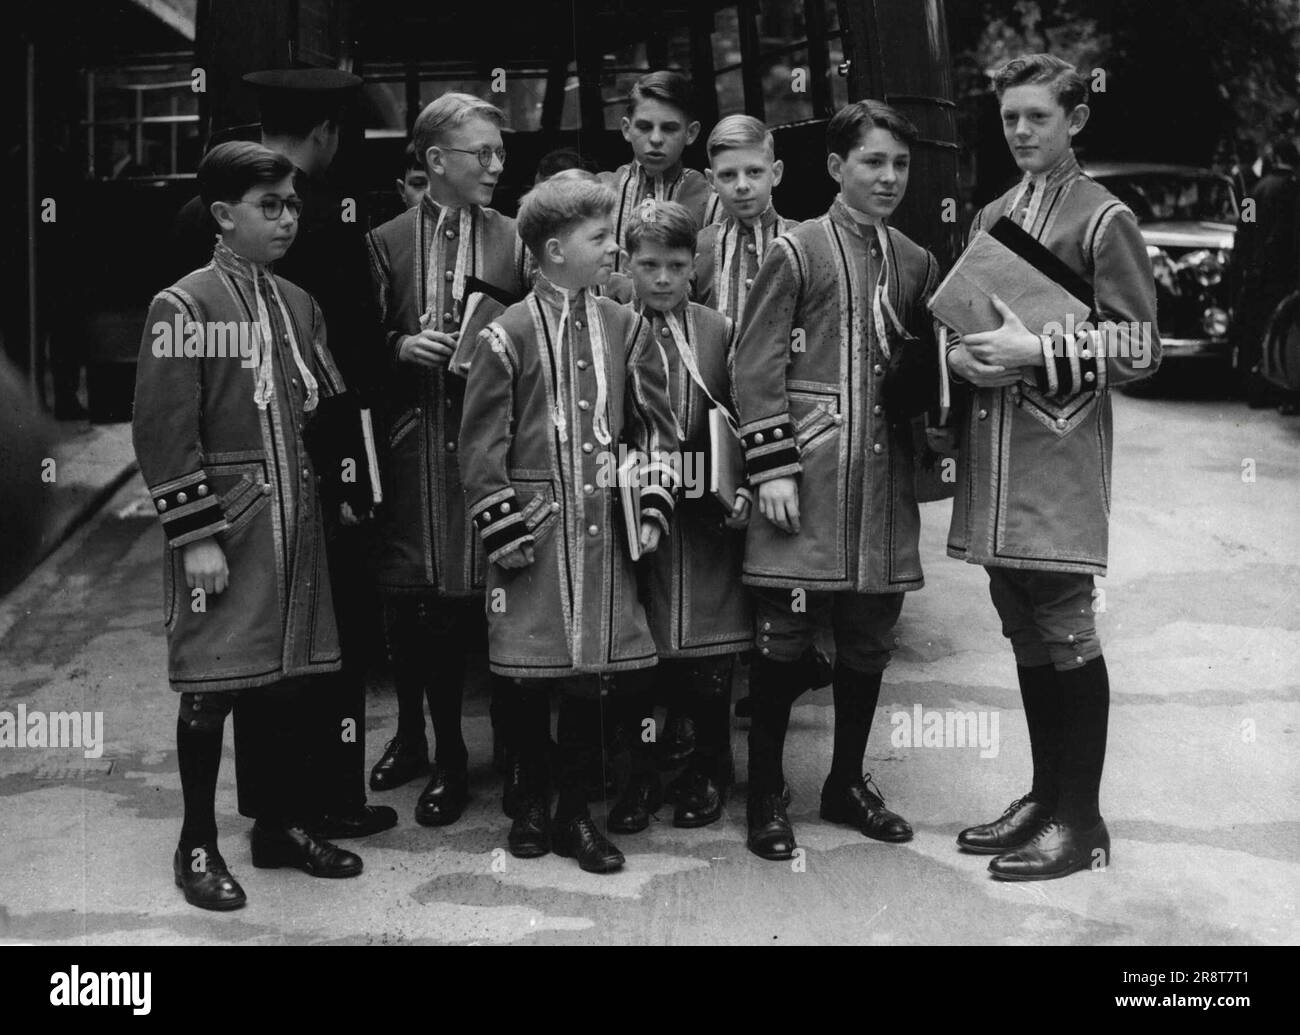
{"points": [[446, 113], [845, 130], [1068, 87], [230, 169]]}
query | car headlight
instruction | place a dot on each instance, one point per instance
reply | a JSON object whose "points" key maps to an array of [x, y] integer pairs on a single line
{"points": [[1206, 266], [1215, 321]]}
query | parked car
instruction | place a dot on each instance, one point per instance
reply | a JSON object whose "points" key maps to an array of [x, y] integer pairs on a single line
{"points": [[1188, 217]]}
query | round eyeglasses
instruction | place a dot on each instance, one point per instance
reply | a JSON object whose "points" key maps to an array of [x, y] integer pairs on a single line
{"points": [[273, 208], [483, 154]]}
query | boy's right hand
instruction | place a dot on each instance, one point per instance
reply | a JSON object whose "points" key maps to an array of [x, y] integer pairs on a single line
{"points": [[427, 349], [520, 557], [978, 373], [205, 566], [778, 501]]}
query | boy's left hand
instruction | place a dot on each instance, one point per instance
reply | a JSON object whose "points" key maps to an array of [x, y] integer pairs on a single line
{"points": [[740, 510], [1011, 345], [349, 517], [649, 537]]}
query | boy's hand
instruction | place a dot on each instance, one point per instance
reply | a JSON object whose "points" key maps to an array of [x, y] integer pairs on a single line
{"points": [[1011, 345], [349, 517], [427, 349], [778, 501], [205, 566], [520, 557], [740, 511], [649, 537], [965, 365]]}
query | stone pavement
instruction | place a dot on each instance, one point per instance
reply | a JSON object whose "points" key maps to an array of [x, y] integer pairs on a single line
{"points": [[1202, 633]]}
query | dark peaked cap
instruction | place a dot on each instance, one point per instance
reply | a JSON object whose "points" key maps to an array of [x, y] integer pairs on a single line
{"points": [[287, 95]]}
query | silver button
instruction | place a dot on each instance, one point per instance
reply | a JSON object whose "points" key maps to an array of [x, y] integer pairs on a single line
{"points": [[665, 332], [554, 506], [162, 505], [450, 233], [577, 324], [749, 246], [582, 364], [749, 282], [418, 411], [182, 498], [266, 488], [1078, 659], [583, 404], [449, 275], [984, 414], [877, 369], [589, 488], [1070, 637], [877, 448], [593, 530], [202, 490], [451, 447], [505, 507], [758, 438], [587, 447], [1061, 422], [1090, 377], [877, 409], [778, 433], [767, 625], [447, 318]]}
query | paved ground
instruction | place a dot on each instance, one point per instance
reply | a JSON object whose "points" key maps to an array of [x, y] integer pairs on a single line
{"points": [[1202, 629]]}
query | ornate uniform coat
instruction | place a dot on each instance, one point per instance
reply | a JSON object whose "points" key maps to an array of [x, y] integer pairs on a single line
{"points": [[547, 384], [695, 601], [809, 377], [1034, 475], [632, 184], [219, 464], [419, 260], [727, 257]]}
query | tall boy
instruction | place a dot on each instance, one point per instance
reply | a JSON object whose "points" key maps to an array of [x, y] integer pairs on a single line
{"points": [[834, 357], [428, 564], [556, 386], [743, 170], [1033, 491], [659, 126], [218, 433], [699, 612]]}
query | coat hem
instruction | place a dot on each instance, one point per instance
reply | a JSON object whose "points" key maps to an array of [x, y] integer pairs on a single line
{"points": [[220, 684]]}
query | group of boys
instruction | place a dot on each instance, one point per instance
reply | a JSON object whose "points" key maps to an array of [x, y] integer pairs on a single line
{"points": [[521, 362]]}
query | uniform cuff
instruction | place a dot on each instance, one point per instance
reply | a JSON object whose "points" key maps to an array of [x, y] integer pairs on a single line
{"points": [[770, 449], [500, 523], [188, 509]]}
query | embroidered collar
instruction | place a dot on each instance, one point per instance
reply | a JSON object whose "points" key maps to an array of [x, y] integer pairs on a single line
{"points": [[433, 208], [1066, 169], [854, 219], [679, 310], [552, 294], [229, 261], [767, 219], [668, 177]]}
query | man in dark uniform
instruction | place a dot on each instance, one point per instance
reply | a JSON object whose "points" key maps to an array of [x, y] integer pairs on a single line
{"points": [[301, 115], [1267, 255]]}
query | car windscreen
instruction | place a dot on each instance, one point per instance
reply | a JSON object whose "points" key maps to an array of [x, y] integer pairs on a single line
{"points": [[1156, 197]]}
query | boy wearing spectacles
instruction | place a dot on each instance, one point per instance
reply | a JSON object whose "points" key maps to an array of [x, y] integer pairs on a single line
{"points": [[248, 610], [428, 564]]}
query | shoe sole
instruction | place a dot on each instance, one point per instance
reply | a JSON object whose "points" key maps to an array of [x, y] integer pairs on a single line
{"points": [[773, 856], [977, 850], [833, 817], [1022, 877], [532, 852], [611, 868], [439, 821], [262, 862], [693, 824]]}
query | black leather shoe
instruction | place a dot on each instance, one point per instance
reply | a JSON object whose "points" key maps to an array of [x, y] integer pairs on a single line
{"points": [[212, 886], [1056, 850], [362, 822], [678, 743], [631, 813], [859, 806], [700, 802], [770, 833], [401, 762], [294, 846], [580, 839], [1010, 830], [443, 800], [530, 833]]}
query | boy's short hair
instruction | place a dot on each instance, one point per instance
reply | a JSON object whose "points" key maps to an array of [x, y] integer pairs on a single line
{"points": [[445, 114], [665, 223], [1068, 87], [555, 205], [412, 160], [845, 130], [230, 169], [740, 131], [559, 160], [667, 87]]}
